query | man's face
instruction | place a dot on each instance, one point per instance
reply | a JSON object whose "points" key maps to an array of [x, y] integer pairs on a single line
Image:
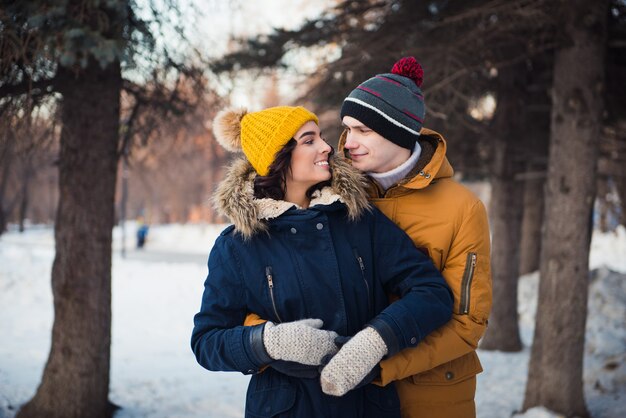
{"points": [[369, 151]]}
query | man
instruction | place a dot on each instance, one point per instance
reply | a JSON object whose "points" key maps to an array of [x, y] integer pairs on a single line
{"points": [[411, 182]]}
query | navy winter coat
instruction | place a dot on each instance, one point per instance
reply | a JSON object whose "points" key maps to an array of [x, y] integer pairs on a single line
{"points": [[312, 263]]}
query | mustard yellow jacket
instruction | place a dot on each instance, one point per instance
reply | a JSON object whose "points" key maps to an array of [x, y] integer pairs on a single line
{"points": [[449, 223]]}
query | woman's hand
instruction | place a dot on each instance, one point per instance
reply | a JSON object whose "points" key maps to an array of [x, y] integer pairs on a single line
{"points": [[353, 362], [299, 341]]}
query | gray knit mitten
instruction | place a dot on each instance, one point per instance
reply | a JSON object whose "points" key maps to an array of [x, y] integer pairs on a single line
{"points": [[353, 362], [300, 341]]}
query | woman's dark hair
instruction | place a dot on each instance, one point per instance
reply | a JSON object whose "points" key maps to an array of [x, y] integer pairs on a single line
{"points": [[273, 185]]}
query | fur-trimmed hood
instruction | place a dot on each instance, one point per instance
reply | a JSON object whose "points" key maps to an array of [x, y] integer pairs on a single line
{"points": [[234, 197]]}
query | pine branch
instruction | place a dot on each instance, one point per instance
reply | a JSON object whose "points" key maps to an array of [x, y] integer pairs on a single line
{"points": [[33, 88]]}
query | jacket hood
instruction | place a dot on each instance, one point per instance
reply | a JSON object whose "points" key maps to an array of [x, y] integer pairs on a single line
{"points": [[432, 163], [234, 197]]}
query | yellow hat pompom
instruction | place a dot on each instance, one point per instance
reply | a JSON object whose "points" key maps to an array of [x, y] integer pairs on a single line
{"points": [[227, 128]]}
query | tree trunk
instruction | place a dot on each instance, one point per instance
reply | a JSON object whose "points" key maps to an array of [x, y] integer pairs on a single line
{"points": [[6, 158], [530, 243], [506, 213], [75, 381], [556, 364]]}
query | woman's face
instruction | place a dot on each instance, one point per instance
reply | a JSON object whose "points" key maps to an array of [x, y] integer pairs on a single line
{"points": [[309, 159]]}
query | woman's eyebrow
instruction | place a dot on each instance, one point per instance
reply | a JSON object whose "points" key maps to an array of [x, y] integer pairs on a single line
{"points": [[306, 133]]}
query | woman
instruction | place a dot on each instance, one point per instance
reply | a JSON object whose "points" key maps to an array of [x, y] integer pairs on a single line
{"points": [[307, 252]]}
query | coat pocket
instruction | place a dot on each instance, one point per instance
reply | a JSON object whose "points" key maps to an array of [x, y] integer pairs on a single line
{"points": [[381, 401], [475, 288], [269, 276], [466, 283], [361, 264], [450, 373], [269, 395]]}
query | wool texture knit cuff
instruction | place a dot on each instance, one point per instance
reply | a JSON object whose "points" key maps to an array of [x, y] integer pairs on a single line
{"points": [[299, 341], [353, 362]]}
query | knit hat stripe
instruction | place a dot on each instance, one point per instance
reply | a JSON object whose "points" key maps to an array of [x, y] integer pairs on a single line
{"points": [[381, 77], [417, 118], [381, 113], [395, 97], [389, 80], [398, 103], [379, 123], [375, 93]]}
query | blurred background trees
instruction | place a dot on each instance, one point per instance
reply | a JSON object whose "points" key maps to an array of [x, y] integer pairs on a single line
{"points": [[62, 65], [164, 87]]}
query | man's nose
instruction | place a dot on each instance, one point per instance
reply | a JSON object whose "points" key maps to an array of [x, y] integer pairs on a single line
{"points": [[350, 143]]}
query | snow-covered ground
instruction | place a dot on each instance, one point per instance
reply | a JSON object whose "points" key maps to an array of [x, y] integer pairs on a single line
{"points": [[157, 291]]}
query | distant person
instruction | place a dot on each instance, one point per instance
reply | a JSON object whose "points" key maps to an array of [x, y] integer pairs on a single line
{"points": [[142, 234], [309, 254]]}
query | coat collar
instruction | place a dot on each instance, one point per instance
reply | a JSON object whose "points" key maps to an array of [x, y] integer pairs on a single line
{"points": [[432, 164], [234, 197]]}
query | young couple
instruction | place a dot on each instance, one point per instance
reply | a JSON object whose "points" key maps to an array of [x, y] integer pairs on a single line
{"points": [[299, 287]]}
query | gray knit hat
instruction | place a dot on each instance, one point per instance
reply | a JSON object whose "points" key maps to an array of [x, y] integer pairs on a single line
{"points": [[391, 104]]}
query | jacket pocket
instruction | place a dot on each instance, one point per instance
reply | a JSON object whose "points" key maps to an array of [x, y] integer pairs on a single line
{"points": [[269, 276], [466, 283], [269, 395], [380, 401], [452, 372], [361, 264]]}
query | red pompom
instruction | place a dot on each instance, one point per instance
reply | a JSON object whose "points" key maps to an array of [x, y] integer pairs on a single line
{"points": [[409, 67]]}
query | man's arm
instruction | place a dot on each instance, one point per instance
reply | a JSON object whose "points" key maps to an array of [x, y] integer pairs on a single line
{"points": [[467, 271]]}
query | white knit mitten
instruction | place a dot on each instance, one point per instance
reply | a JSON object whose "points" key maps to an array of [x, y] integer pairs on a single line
{"points": [[353, 362], [300, 341]]}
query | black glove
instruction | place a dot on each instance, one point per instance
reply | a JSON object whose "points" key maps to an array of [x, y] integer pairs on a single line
{"points": [[293, 369], [339, 342]]}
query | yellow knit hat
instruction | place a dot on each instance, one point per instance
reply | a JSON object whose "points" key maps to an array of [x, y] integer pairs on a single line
{"points": [[260, 135]]}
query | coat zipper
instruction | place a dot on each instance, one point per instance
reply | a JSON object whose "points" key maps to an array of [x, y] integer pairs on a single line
{"points": [[367, 286], [270, 284], [466, 284]]}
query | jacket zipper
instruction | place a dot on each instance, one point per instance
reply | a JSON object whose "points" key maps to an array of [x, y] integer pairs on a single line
{"points": [[466, 284], [270, 284], [367, 286]]}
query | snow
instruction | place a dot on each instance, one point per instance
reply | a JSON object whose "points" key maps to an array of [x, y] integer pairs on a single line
{"points": [[156, 292]]}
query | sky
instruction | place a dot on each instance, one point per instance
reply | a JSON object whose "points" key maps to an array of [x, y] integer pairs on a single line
{"points": [[219, 21], [209, 27]]}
